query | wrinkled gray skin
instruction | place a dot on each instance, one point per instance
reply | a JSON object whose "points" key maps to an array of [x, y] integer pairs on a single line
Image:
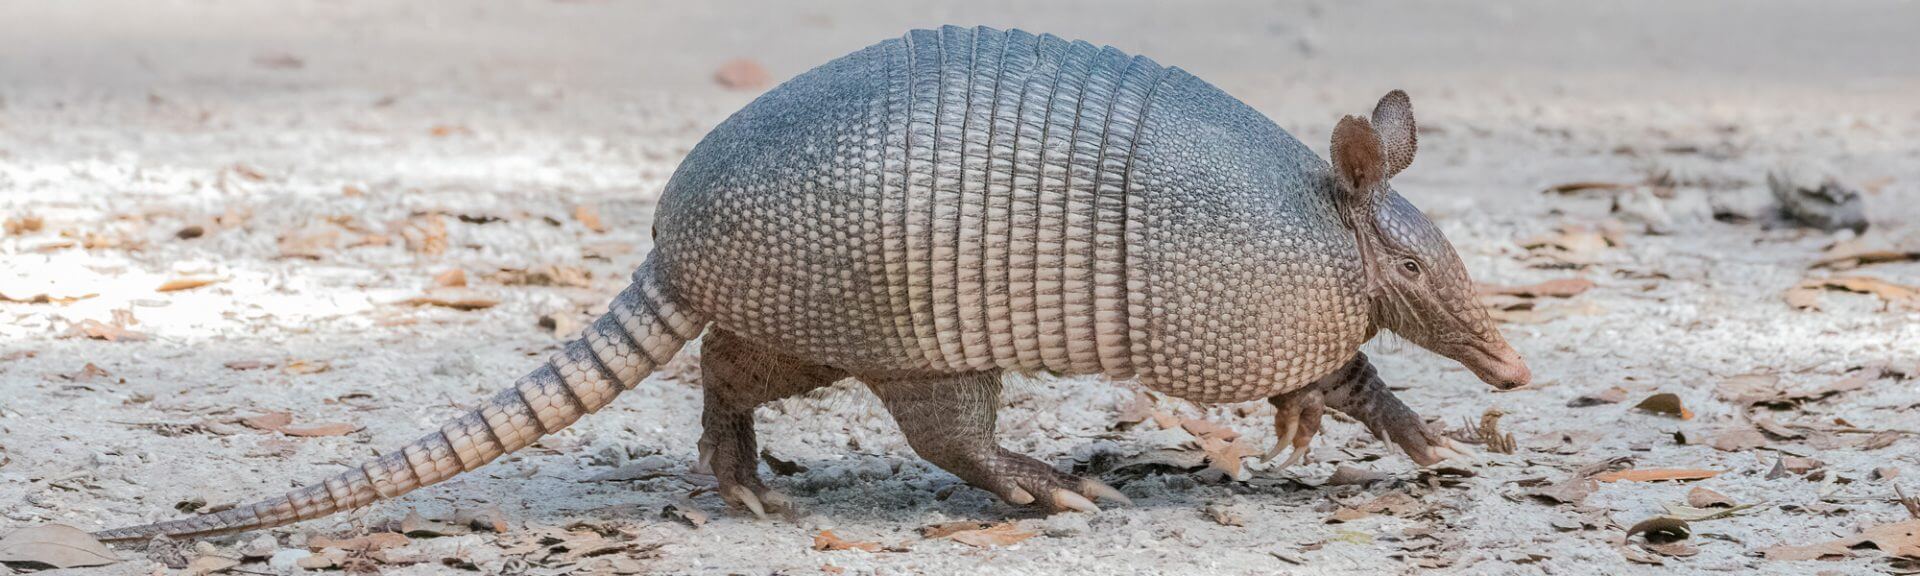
{"points": [[935, 211]]}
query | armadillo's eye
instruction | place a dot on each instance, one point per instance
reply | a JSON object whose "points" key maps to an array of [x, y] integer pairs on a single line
{"points": [[1410, 267]]}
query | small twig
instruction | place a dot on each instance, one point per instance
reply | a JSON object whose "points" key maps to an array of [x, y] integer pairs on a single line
{"points": [[1910, 502]]}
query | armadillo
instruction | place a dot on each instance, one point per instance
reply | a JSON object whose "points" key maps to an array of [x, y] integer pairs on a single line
{"points": [[939, 210]]}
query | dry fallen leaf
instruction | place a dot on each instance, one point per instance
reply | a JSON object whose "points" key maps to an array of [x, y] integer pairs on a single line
{"points": [[684, 509], [742, 74], [367, 543], [547, 275], [1805, 294], [455, 298], [452, 278], [1200, 428], [945, 529], [1003, 534], [1898, 539], [1871, 248], [98, 330], [1656, 475], [211, 564], [282, 422], [1225, 515], [827, 541], [424, 233], [1667, 404], [307, 366], [589, 217], [56, 545], [1557, 288], [313, 242], [1226, 455], [186, 283], [1345, 514], [1767, 389], [1737, 439], [1344, 475]]}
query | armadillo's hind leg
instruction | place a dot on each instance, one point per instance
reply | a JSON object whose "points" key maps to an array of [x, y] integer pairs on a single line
{"points": [[949, 420], [739, 376]]}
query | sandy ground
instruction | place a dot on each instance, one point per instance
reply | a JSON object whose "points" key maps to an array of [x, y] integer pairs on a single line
{"points": [[346, 129]]}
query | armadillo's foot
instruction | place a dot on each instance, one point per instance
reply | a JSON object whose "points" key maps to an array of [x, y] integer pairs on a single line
{"points": [[737, 376], [727, 452], [949, 420], [1356, 390], [1296, 420], [1022, 480]]}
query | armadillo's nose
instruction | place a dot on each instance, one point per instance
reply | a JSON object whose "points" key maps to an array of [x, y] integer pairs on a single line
{"points": [[1501, 366]]}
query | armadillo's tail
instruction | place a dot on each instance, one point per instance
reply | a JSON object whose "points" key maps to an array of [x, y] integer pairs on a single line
{"points": [[641, 331]]}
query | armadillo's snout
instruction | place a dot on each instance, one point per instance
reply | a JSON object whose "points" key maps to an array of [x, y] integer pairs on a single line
{"points": [[1501, 367]]}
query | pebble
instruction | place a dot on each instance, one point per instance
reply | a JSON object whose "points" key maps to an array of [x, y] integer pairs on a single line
{"points": [[1065, 525], [285, 560]]}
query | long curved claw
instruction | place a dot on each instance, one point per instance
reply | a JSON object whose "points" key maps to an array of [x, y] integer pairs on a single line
{"points": [[746, 498], [1299, 454], [1020, 497], [1100, 490], [1068, 500]]}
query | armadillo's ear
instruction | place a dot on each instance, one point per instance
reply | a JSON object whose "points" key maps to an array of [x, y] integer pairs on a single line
{"points": [[1393, 120], [1359, 162]]}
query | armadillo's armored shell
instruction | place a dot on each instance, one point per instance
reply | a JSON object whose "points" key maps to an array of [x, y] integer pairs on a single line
{"points": [[966, 199]]}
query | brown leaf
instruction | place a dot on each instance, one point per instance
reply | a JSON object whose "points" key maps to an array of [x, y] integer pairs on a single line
{"points": [[1803, 295], [98, 330], [1665, 403], [25, 224], [455, 298], [490, 518], [1737, 439], [589, 217], [684, 509], [319, 430], [1898, 539], [1225, 455], [1702, 497], [945, 529], [1871, 248], [1557, 288], [1614, 395], [282, 422], [211, 564], [425, 234], [313, 242], [186, 283], [1207, 429], [1582, 186], [271, 421], [307, 367], [1344, 475], [1569, 491], [451, 278], [1767, 389], [56, 545], [1656, 475], [742, 74], [367, 543], [1224, 515], [827, 541], [1003, 534], [548, 275], [1345, 514]]}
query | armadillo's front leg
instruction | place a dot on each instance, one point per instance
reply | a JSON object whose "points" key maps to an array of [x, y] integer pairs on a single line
{"points": [[1357, 391], [739, 376], [949, 420]]}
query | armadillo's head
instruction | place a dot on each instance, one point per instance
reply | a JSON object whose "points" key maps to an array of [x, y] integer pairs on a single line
{"points": [[1419, 288]]}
